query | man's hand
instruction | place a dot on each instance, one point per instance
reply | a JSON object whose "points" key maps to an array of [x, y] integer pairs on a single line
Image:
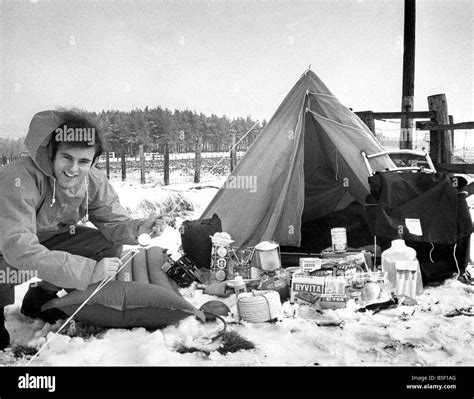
{"points": [[105, 268], [154, 225]]}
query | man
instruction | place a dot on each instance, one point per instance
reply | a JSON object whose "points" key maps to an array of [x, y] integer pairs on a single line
{"points": [[43, 198]]}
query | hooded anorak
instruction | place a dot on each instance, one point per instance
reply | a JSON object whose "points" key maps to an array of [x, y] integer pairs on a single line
{"points": [[33, 208]]}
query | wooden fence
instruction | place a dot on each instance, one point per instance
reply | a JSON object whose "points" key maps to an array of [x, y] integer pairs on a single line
{"points": [[440, 125], [172, 168]]}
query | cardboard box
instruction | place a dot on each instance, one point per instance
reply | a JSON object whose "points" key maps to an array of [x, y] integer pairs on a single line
{"points": [[328, 301], [306, 288], [329, 291], [309, 264]]}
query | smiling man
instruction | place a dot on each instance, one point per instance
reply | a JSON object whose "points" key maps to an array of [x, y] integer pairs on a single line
{"points": [[43, 198], [72, 165]]}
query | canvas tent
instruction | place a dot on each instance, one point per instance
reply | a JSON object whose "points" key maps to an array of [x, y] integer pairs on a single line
{"points": [[305, 164]]}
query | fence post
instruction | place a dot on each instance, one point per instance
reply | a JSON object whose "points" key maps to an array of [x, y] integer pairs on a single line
{"points": [[440, 140], [368, 118], [451, 122], [124, 162], [197, 161], [142, 164], [166, 163], [107, 164], [233, 150]]}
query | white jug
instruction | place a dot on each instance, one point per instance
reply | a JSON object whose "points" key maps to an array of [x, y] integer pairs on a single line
{"points": [[399, 251]]}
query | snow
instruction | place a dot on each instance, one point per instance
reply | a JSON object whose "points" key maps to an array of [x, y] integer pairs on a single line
{"points": [[419, 335]]}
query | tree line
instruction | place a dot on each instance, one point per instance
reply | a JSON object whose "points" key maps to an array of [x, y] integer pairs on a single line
{"points": [[10, 149], [156, 128]]}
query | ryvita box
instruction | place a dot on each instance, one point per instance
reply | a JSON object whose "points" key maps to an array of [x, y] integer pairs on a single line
{"points": [[306, 288]]}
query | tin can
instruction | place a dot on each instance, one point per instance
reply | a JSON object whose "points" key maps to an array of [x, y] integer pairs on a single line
{"points": [[356, 295], [339, 239]]}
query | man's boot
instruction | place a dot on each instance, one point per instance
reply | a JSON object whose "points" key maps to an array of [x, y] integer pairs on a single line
{"points": [[34, 299], [4, 336]]}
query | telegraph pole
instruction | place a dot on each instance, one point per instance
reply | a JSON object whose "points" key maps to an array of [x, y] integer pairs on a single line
{"points": [[408, 92]]}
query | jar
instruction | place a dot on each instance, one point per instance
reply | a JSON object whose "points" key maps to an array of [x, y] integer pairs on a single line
{"points": [[370, 293], [239, 285], [268, 255], [339, 239], [356, 295]]}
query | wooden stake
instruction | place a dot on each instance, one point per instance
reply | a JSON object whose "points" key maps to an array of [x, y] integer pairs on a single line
{"points": [[440, 141], [107, 164], [233, 160], [166, 164], [451, 122], [124, 162], [197, 161], [368, 118], [142, 164]]}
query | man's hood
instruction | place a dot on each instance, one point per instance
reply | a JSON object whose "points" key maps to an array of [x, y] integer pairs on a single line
{"points": [[41, 128]]}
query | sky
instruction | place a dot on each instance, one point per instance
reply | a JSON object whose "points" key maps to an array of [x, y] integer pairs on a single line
{"points": [[227, 57]]}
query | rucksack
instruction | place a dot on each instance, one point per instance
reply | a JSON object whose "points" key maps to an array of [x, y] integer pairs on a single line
{"points": [[196, 239]]}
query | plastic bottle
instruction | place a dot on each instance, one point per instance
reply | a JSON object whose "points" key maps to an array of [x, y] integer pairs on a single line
{"points": [[239, 285], [399, 251]]}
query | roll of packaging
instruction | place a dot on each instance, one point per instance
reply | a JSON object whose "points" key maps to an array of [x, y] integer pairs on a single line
{"points": [[259, 306]]}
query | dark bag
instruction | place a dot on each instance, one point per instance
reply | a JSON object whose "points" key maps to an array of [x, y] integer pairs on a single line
{"points": [[438, 201], [196, 241], [441, 261]]}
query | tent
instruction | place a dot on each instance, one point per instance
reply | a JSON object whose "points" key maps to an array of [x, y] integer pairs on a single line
{"points": [[304, 165]]}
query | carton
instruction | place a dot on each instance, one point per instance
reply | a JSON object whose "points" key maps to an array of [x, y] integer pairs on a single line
{"points": [[306, 288], [309, 264], [328, 291], [329, 301]]}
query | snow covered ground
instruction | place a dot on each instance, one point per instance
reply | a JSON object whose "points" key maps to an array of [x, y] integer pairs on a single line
{"points": [[419, 335]]}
